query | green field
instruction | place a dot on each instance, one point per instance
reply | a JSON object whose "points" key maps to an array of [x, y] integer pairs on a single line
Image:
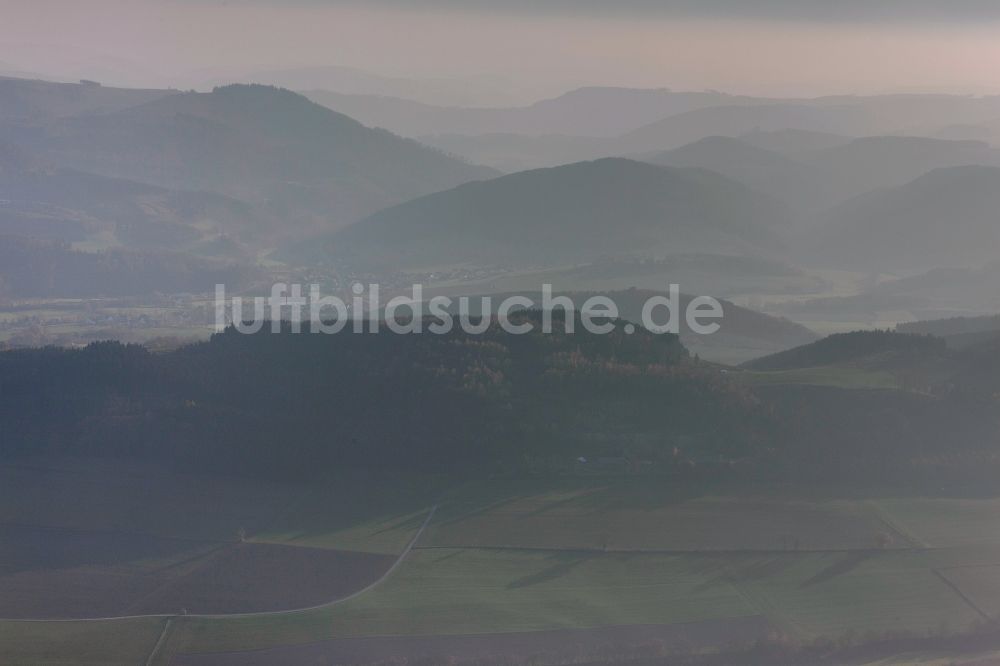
{"points": [[650, 515], [357, 513], [979, 584], [835, 594], [444, 591], [947, 522], [510, 556], [475, 591]]}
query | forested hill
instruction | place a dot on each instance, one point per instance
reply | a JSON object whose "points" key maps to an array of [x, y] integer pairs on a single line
{"points": [[297, 405], [955, 326], [847, 347]]}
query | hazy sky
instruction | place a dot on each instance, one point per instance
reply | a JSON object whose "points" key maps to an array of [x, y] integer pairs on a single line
{"points": [[749, 46]]}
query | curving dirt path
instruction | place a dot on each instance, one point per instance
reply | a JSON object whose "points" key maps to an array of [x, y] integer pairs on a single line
{"points": [[341, 599]]}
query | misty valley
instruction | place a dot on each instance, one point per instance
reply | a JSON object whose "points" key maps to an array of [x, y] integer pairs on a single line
{"points": [[720, 384]]}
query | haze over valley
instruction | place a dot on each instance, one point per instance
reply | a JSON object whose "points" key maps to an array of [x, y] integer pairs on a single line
{"points": [[650, 334]]}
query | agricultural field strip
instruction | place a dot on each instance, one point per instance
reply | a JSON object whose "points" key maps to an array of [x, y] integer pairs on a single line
{"points": [[764, 609], [763, 606], [904, 536], [894, 525], [511, 519], [395, 565], [688, 551], [962, 595], [201, 561], [943, 574], [159, 642], [752, 601]]}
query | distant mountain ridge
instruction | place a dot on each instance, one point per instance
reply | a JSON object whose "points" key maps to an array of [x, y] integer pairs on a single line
{"points": [[947, 217], [256, 143], [870, 163], [918, 115], [787, 126], [567, 214], [466, 91], [813, 179], [590, 111], [761, 169], [33, 102]]}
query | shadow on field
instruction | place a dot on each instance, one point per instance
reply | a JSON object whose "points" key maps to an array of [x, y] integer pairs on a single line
{"points": [[564, 563], [847, 563], [762, 568], [724, 570], [582, 495]]}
